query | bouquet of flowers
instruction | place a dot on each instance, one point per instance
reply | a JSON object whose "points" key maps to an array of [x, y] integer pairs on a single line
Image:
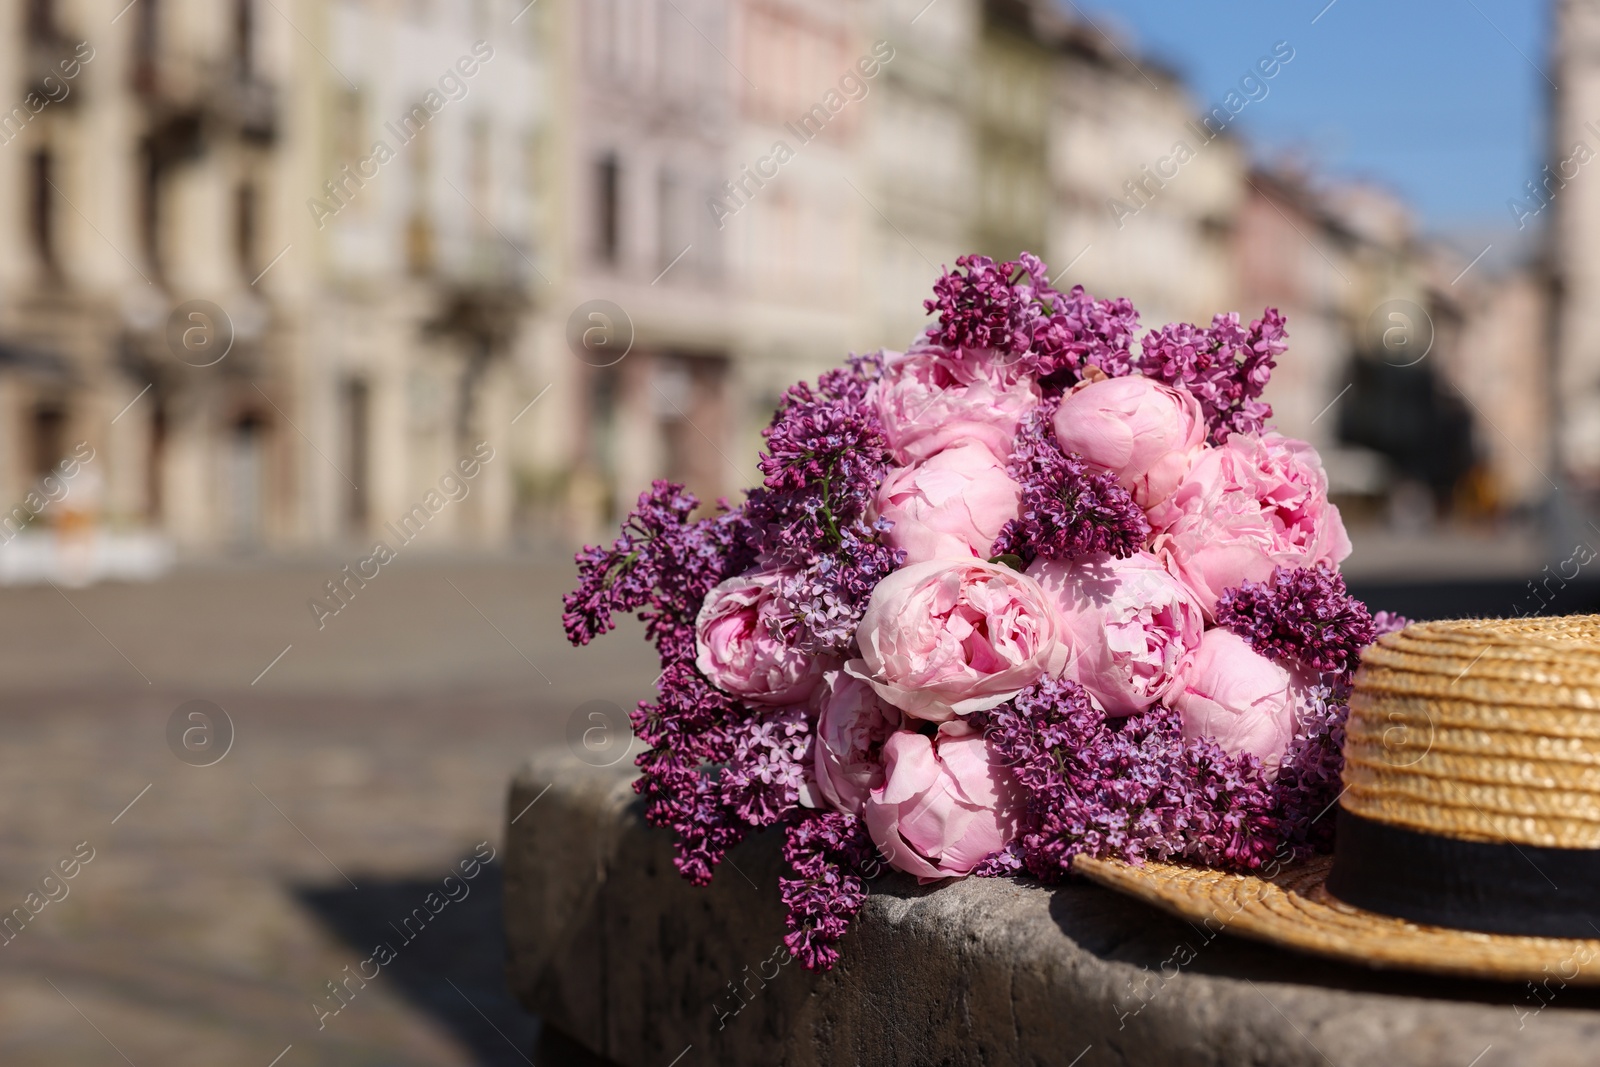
{"points": [[1030, 589]]}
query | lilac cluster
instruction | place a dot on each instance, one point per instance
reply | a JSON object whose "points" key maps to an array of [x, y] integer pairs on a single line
{"points": [[825, 458], [766, 768], [1388, 622], [1308, 781], [714, 768], [1083, 332], [1303, 614], [1012, 309], [1067, 510], [1225, 366], [831, 857], [982, 306], [1134, 790], [661, 567]]}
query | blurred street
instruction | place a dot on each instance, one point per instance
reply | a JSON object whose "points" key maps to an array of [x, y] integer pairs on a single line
{"points": [[368, 762]]}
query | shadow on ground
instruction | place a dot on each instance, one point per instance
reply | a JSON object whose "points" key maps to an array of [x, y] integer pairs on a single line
{"points": [[452, 967]]}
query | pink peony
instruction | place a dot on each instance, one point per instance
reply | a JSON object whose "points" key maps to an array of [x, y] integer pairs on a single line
{"points": [[1238, 698], [740, 645], [952, 504], [943, 806], [930, 398], [1129, 624], [852, 726], [1144, 433], [1248, 506], [950, 637]]}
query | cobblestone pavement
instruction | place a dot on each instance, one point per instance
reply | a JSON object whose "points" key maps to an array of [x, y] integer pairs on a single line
{"points": [[368, 763]]}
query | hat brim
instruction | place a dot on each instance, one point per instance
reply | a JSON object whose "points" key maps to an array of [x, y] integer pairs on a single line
{"points": [[1293, 910]]}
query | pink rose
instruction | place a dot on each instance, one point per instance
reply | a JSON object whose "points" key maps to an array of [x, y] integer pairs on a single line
{"points": [[931, 397], [943, 805], [951, 504], [1144, 433], [1130, 625], [950, 637], [852, 726], [1240, 699], [740, 647], [1253, 504]]}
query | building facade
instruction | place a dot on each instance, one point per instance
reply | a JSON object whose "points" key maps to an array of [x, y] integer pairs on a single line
{"points": [[284, 265]]}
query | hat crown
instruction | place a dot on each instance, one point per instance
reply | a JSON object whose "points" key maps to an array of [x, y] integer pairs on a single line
{"points": [[1482, 730]]}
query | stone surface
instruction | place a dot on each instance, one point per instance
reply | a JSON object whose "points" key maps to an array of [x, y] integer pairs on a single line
{"points": [[611, 947]]}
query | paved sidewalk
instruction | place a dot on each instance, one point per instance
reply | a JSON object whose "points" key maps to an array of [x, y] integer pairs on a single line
{"points": [[367, 764]]}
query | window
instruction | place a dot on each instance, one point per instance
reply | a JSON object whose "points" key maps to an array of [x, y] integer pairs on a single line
{"points": [[608, 210], [479, 170], [42, 21], [244, 36], [146, 33], [357, 404], [671, 235], [47, 443], [419, 227], [150, 204], [245, 232], [349, 125], [42, 221]]}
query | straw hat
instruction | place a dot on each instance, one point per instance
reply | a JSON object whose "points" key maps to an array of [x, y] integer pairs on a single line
{"points": [[1468, 837]]}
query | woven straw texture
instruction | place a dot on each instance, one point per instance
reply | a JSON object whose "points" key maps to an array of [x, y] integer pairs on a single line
{"points": [[1293, 910], [1482, 729]]}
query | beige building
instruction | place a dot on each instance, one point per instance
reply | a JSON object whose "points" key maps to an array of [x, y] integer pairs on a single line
{"points": [[271, 261], [283, 265]]}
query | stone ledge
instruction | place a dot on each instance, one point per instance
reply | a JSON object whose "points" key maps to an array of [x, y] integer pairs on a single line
{"points": [[609, 946]]}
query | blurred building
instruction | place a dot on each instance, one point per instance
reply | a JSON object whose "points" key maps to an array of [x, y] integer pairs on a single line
{"points": [[284, 264], [347, 192], [1566, 199]]}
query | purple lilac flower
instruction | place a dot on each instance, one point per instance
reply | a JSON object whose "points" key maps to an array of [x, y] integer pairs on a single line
{"points": [[830, 857], [826, 456], [767, 766], [1013, 310], [980, 308], [1082, 332], [1388, 622], [1308, 780], [1067, 510], [1225, 366], [1302, 614], [661, 567], [1135, 790]]}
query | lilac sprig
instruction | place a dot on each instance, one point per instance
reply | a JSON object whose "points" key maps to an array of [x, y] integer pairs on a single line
{"points": [[1067, 510], [1135, 791], [828, 597], [826, 456], [830, 857], [1303, 614], [767, 767], [1081, 332], [1011, 309], [982, 307], [1226, 366], [1308, 782], [661, 567], [1388, 622]]}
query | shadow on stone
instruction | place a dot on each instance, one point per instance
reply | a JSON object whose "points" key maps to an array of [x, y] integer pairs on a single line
{"points": [[452, 967]]}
